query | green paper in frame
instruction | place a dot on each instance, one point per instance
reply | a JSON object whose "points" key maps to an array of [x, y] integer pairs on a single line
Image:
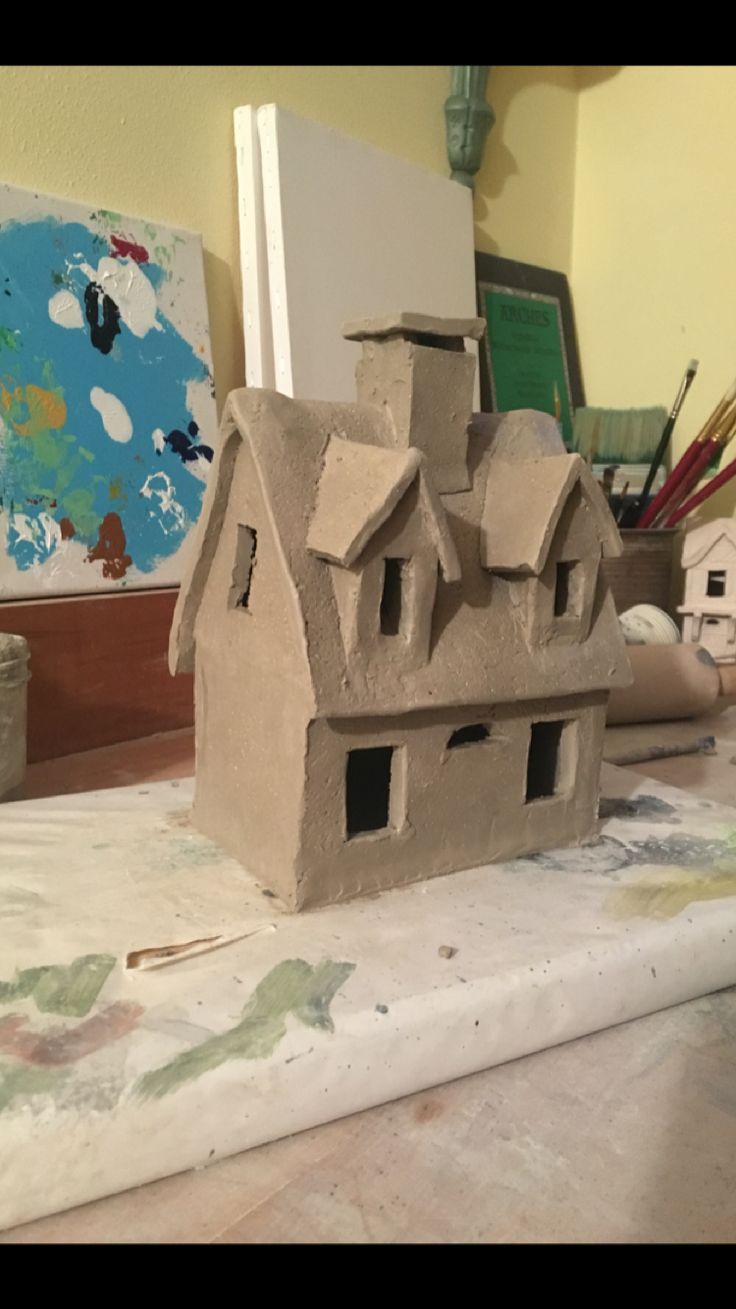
{"points": [[525, 353]]}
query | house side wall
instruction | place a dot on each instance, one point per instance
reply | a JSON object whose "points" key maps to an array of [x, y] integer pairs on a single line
{"points": [[450, 808], [252, 697]]}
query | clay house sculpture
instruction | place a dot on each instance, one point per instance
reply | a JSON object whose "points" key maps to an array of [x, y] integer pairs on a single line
{"points": [[402, 640], [709, 604]]}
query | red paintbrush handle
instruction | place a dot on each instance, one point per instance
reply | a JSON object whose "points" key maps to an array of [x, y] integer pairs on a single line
{"points": [[689, 482], [713, 485], [673, 481]]}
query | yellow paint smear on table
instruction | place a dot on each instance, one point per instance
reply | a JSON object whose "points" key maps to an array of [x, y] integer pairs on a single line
{"points": [[46, 409], [666, 894]]}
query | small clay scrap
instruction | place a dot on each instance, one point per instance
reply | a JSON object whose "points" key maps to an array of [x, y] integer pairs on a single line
{"points": [[402, 640], [447, 951], [158, 956], [709, 604]]}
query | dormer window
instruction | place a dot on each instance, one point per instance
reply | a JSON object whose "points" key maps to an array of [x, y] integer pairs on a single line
{"points": [[548, 551], [393, 610], [380, 524], [568, 578], [245, 561]]}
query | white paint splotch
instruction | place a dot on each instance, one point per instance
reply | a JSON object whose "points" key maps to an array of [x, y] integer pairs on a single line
{"points": [[43, 531], [159, 489], [159, 440], [127, 285], [115, 417], [65, 310]]}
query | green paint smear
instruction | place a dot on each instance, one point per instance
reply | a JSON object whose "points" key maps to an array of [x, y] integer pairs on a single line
{"points": [[8, 339], [20, 1080], [68, 989], [79, 506], [108, 217], [292, 987]]}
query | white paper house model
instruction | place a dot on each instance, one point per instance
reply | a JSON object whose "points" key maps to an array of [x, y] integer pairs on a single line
{"points": [[709, 604], [402, 637]]}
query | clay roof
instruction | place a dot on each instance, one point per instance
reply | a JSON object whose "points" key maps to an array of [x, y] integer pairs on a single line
{"points": [[421, 324], [479, 653], [359, 488], [700, 541], [519, 542]]}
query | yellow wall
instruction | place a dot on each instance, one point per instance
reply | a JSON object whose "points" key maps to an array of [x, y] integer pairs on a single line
{"points": [[157, 142], [525, 190], [654, 269]]}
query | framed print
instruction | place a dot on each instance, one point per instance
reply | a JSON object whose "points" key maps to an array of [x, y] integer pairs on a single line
{"points": [[529, 355]]}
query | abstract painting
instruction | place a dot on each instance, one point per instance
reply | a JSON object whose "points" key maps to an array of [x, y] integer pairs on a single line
{"points": [[107, 411]]}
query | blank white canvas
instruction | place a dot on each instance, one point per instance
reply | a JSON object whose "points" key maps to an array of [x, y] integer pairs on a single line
{"points": [[350, 232], [259, 369]]}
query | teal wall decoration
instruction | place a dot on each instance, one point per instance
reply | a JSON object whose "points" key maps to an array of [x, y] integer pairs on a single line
{"points": [[469, 118]]}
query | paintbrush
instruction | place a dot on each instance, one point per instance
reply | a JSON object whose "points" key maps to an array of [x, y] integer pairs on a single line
{"points": [[664, 441], [690, 456], [712, 450], [707, 491], [622, 507]]}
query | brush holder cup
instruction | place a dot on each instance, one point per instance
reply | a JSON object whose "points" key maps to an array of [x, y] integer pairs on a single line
{"points": [[644, 573]]}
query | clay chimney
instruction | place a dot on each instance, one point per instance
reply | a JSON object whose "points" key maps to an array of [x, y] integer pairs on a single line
{"points": [[418, 369]]}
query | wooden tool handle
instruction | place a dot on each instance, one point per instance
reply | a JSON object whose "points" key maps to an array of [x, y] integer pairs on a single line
{"points": [[727, 675], [670, 681]]}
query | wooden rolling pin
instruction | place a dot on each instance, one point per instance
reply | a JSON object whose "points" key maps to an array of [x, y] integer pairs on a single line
{"points": [[670, 681]]}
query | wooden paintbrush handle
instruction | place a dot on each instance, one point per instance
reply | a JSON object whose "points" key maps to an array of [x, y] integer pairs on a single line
{"points": [[690, 481], [707, 491], [727, 675]]}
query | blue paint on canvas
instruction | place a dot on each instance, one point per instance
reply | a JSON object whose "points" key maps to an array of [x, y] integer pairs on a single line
{"points": [[99, 443]]}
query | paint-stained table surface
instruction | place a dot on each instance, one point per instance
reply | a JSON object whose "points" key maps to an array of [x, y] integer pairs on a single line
{"points": [[625, 1135]]}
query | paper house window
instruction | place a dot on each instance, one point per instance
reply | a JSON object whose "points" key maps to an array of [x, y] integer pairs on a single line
{"points": [[543, 764], [470, 735], [567, 589], [368, 790], [716, 585], [393, 597], [245, 560]]}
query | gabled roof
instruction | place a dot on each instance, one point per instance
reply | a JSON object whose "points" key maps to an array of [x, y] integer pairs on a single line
{"points": [[523, 504], [700, 541], [359, 487], [479, 654]]}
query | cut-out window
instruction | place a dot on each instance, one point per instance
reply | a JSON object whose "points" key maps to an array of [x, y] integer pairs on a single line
{"points": [[543, 765], [469, 735], [245, 561], [368, 789], [392, 597], [716, 582], [566, 587]]}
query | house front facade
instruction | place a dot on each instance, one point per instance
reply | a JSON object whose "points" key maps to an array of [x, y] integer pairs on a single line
{"points": [[709, 602], [402, 640]]}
